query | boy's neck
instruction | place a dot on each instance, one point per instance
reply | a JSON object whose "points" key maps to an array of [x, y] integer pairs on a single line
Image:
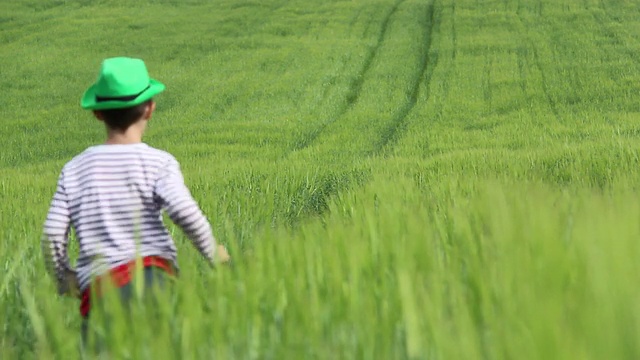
{"points": [[123, 138]]}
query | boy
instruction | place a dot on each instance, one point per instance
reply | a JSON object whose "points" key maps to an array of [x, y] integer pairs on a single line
{"points": [[113, 194]]}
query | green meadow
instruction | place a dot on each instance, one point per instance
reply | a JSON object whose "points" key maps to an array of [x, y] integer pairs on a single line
{"points": [[394, 179]]}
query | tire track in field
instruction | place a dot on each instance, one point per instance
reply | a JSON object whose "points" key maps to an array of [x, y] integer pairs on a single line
{"points": [[353, 21], [449, 64], [486, 81], [553, 106], [616, 37], [613, 27], [428, 62], [355, 87], [521, 52], [545, 83]]}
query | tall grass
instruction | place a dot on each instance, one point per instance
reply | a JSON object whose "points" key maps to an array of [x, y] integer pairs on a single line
{"points": [[394, 179]]}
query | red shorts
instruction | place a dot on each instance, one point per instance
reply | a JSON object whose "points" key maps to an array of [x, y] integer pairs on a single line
{"points": [[121, 276]]}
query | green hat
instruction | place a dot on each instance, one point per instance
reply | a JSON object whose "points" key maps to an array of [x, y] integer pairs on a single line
{"points": [[123, 82]]}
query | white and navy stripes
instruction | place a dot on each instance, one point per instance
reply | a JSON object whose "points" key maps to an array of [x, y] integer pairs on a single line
{"points": [[113, 197]]}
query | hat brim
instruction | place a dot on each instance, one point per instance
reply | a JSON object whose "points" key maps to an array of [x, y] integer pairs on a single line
{"points": [[89, 98]]}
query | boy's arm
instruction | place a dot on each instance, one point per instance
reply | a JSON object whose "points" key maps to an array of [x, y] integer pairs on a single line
{"points": [[176, 199], [55, 239]]}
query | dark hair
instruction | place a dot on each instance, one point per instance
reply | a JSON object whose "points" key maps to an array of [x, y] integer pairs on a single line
{"points": [[122, 119]]}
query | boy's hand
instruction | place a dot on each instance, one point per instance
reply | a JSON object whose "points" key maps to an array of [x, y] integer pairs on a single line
{"points": [[222, 256], [71, 287]]}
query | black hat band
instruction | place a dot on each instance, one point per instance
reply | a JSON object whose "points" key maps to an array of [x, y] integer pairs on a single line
{"points": [[121, 98]]}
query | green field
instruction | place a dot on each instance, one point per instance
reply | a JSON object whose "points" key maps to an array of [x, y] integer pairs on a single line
{"points": [[412, 179]]}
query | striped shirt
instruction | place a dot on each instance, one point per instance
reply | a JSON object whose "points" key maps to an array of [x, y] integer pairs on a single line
{"points": [[113, 197]]}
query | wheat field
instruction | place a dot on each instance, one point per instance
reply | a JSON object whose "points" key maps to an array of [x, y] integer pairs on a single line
{"points": [[394, 179]]}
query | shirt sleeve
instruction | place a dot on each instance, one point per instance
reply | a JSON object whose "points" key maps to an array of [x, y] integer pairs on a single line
{"points": [[176, 199], [55, 238]]}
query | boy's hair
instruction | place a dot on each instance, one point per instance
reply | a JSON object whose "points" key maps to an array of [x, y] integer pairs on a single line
{"points": [[122, 119]]}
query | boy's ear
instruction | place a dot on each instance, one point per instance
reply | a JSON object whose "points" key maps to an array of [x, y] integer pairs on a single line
{"points": [[151, 107]]}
